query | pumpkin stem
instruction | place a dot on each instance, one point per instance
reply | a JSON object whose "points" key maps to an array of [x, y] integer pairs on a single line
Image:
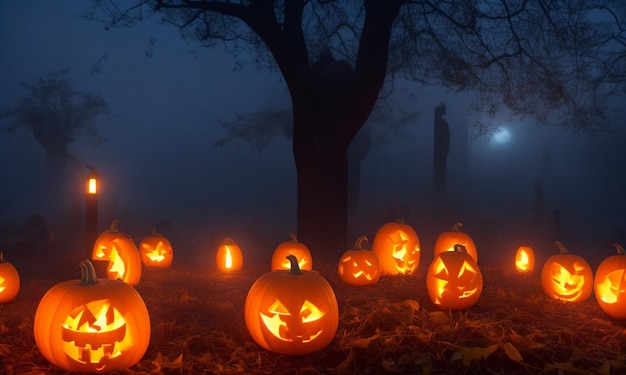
{"points": [[1, 257], [87, 273], [155, 233], [456, 227], [561, 247], [400, 221], [459, 247], [620, 250], [295, 267], [293, 237], [114, 225], [359, 242]]}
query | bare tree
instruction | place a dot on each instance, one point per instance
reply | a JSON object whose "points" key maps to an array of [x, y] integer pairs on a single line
{"points": [[539, 58]]}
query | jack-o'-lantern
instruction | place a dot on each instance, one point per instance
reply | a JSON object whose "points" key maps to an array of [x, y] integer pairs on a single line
{"points": [[121, 253], [454, 280], [447, 240], [156, 250], [9, 281], [91, 325], [524, 259], [358, 266], [229, 257], [567, 277], [292, 312], [298, 249], [610, 284], [397, 248]]}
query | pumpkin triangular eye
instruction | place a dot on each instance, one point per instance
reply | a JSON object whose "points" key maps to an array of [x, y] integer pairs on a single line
{"points": [[309, 312], [278, 308], [441, 269]]}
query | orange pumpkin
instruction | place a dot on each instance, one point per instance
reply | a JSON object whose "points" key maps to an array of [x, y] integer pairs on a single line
{"points": [[397, 248], [454, 280], [358, 266], [300, 250], [525, 259], [91, 325], [447, 240], [121, 253], [156, 250], [610, 284], [229, 257], [567, 277], [292, 312], [9, 281]]}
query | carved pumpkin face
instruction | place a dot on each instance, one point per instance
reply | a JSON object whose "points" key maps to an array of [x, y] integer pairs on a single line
{"points": [[156, 251], [524, 259], [300, 250], [292, 312], [9, 281], [567, 277], [397, 248], [92, 326], [229, 257], [121, 253], [447, 240], [454, 280], [610, 284], [358, 266]]}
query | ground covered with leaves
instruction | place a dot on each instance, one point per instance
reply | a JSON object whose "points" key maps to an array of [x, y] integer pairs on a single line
{"points": [[392, 327]]}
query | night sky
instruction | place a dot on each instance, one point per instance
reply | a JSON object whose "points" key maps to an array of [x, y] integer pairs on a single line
{"points": [[159, 162]]}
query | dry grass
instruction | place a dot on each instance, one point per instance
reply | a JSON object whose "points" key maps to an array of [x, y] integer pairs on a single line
{"points": [[391, 327]]}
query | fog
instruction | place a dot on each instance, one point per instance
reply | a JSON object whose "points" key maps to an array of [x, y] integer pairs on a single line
{"points": [[158, 163]]}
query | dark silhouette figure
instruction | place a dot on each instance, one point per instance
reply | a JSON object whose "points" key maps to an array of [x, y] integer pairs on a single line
{"points": [[441, 149]]}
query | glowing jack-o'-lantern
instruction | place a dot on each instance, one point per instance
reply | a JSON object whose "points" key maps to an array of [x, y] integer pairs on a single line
{"points": [[454, 280], [9, 281], [447, 240], [358, 266], [121, 253], [292, 312], [229, 257], [397, 248], [567, 277], [298, 249], [91, 325], [610, 284], [524, 259], [156, 250]]}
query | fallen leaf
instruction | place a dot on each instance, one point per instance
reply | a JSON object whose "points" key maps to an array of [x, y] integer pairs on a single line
{"points": [[512, 352]]}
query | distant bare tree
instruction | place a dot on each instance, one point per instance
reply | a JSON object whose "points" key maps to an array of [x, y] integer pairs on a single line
{"points": [[539, 58]]}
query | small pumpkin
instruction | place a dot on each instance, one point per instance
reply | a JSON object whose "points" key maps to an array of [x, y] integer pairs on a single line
{"points": [[298, 249], [156, 250], [122, 255], [229, 257], [359, 266], [567, 277], [447, 240], [610, 284], [91, 325], [292, 312], [454, 280], [524, 259], [9, 281], [397, 248]]}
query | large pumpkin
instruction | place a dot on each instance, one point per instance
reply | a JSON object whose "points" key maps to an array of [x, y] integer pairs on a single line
{"points": [[300, 250], [567, 277], [359, 266], [524, 259], [610, 284], [229, 257], [292, 312], [448, 240], [121, 253], [397, 248], [91, 325], [156, 250], [9, 281], [454, 280]]}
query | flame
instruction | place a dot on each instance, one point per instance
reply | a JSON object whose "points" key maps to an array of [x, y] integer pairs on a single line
{"points": [[228, 259], [2, 287], [522, 261]]}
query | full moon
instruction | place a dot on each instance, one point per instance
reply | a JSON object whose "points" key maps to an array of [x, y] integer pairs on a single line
{"points": [[503, 135]]}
